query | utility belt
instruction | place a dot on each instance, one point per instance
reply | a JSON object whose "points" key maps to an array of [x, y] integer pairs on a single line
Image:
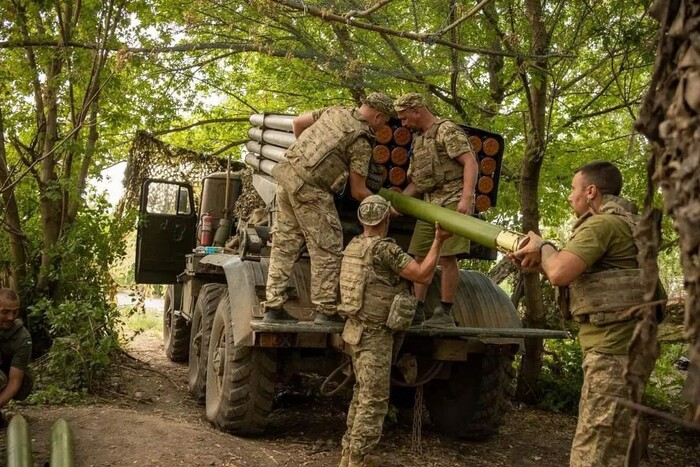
{"points": [[401, 312], [603, 297]]}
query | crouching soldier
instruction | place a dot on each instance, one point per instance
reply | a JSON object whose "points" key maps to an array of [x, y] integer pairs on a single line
{"points": [[15, 351], [374, 292]]}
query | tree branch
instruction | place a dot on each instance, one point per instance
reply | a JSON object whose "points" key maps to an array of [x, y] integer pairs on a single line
{"points": [[369, 11], [326, 15], [229, 146], [199, 123], [576, 118], [468, 15]]}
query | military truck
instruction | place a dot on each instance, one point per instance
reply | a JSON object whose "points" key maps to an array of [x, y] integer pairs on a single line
{"points": [[236, 361]]}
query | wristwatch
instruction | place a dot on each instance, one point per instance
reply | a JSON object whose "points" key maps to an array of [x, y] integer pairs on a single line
{"points": [[547, 242]]}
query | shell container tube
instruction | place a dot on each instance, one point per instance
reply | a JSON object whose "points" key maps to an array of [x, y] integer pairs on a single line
{"points": [[402, 136], [381, 154], [476, 230]]}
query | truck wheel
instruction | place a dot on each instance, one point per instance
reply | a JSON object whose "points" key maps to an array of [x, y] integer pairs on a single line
{"points": [[240, 380], [473, 402], [202, 318], [176, 329]]}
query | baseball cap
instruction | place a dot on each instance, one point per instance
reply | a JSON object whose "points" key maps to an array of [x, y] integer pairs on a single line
{"points": [[373, 209], [381, 102], [412, 100]]}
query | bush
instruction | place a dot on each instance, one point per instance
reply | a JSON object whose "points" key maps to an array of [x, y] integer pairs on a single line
{"points": [[666, 382], [79, 318], [84, 335], [562, 377]]}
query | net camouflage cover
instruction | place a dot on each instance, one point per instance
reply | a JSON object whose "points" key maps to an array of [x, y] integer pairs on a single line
{"points": [[670, 118], [150, 157]]}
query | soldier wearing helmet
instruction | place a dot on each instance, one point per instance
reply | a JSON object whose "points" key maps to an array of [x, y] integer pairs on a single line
{"points": [[374, 274], [333, 147], [443, 171]]}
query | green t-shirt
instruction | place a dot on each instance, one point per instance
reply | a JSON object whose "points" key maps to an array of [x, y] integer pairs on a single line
{"points": [[604, 242], [15, 347]]}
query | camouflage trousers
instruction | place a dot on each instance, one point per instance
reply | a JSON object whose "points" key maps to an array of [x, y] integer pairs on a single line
{"points": [[306, 216], [371, 361], [603, 431]]}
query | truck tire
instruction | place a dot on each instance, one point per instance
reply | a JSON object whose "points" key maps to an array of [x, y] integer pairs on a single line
{"points": [[202, 318], [240, 380], [176, 329], [472, 403]]}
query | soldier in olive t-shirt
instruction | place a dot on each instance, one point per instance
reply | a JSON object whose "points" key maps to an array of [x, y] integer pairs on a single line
{"points": [[601, 251], [604, 242], [15, 350]]}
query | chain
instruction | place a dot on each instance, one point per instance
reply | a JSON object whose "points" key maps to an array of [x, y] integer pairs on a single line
{"points": [[416, 436]]}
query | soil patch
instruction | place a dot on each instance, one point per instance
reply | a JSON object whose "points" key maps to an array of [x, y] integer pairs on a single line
{"points": [[145, 416]]}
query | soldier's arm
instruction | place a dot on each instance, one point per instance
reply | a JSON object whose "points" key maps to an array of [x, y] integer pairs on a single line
{"points": [[422, 272], [14, 383], [560, 267], [360, 155], [302, 122], [470, 170], [358, 186], [412, 190]]}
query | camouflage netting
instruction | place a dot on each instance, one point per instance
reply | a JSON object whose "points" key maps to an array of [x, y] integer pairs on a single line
{"points": [[151, 158], [249, 200], [670, 117]]}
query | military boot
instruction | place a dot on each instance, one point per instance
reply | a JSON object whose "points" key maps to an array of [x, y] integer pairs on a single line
{"points": [[440, 319], [278, 315], [419, 317], [344, 460], [367, 461], [324, 319]]}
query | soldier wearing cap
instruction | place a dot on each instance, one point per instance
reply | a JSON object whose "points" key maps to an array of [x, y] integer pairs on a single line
{"points": [[333, 147], [15, 351], [374, 271], [443, 171]]}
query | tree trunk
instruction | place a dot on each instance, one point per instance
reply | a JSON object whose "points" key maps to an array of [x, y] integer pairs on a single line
{"points": [[535, 84], [11, 220]]}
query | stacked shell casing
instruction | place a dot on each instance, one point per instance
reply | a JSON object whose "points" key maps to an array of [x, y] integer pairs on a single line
{"points": [[271, 134]]}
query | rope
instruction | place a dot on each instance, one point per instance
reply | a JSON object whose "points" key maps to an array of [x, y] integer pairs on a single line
{"points": [[323, 390], [432, 373]]}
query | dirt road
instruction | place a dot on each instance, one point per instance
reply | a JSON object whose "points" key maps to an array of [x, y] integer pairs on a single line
{"points": [[144, 416]]}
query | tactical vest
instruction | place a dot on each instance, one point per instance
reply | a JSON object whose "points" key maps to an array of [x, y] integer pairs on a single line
{"points": [[363, 293], [603, 297], [429, 168], [320, 156]]}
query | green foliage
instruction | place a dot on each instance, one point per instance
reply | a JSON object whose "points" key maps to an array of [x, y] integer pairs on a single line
{"points": [[83, 336], [561, 377], [135, 322], [666, 382], [82, 324]]}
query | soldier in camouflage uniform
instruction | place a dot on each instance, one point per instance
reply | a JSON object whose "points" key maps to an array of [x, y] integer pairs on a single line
{"points": [[374, 270], [600, 270], [443, 171], [333, 145], [15, 351]]}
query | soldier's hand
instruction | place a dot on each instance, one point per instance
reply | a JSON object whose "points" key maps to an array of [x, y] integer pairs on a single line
{"points": [[440, 234], [466, 205], [529, 255], [394, 213]]}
